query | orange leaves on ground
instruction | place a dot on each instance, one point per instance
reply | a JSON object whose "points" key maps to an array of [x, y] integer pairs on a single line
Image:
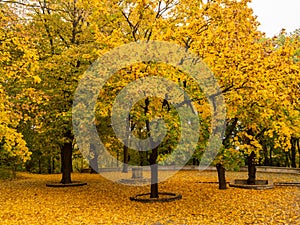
{"points": [[29, 201]]}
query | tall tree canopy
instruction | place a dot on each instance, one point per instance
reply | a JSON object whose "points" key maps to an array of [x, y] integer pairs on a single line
{"points": [[44, 55]]}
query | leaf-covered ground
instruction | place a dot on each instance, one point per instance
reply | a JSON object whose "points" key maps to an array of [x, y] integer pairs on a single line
{"points": [[27, 200]]}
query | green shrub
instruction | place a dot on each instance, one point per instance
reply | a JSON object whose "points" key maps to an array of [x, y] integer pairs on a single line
{"points": [[7, 174]]}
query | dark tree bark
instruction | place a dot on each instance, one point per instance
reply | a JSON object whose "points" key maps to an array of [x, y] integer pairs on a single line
{"points": [[287, 159], [298, 146], [125, 148], [271, 160], [267, 161], [153, 157], [143, 158], [118, 156], [154, 181], [125, 159], [195, 161], [154, 173], [221, 176], [293, 152], [66, 163], [230, 127], [94, 161], [251, 169]]}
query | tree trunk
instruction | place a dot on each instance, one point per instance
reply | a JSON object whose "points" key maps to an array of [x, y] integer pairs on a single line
{"points": [[230, 127], [251, 169], [66, 163], [154, 174], [195, 162], [287, 159], [271, 151], [125, 148], [153, 157], [94, 160], [118, 156], [293, 152], [154, 181], [266, 162], [125, 160], [298, 146], [143, 158], [221, 176]]}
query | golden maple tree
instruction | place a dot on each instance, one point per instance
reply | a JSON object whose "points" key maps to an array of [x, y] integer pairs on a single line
{"points": [[258, 77]]}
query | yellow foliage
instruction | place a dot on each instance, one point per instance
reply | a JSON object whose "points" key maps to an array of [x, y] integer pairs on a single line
{"points": [[259, 77]]}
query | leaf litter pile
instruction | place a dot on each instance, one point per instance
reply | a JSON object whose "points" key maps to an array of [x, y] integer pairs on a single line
{"points": [[27, 200]]}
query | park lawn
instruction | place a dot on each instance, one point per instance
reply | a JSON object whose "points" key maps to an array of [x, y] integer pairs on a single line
{"points": [[27, 200]]}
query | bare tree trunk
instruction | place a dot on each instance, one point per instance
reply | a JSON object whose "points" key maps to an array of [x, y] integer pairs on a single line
{"points": [[94, 161], [293, 152], [221, 176], [298, 146], [251, 169], [125, 148], [265, 149], [287, 159], [125, 160], [154, 181], [153, 157], [271, 151], [230, 127], [154, 174], [66, 163]]}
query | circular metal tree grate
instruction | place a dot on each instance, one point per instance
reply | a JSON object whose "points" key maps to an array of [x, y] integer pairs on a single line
{"points": [[163, 197], [73, 184]]}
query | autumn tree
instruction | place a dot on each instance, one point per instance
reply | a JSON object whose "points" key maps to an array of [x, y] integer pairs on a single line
{"points": [[18, 63], [224, 34], [64, 43], [255, 76], [258, 77], [131, 21]]}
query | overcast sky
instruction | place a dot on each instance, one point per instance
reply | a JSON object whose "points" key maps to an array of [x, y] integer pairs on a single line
{"points": [[277, 14]]}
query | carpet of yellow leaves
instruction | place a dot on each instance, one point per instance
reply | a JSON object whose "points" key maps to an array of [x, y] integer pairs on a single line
{"points": [[27, 200]]}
